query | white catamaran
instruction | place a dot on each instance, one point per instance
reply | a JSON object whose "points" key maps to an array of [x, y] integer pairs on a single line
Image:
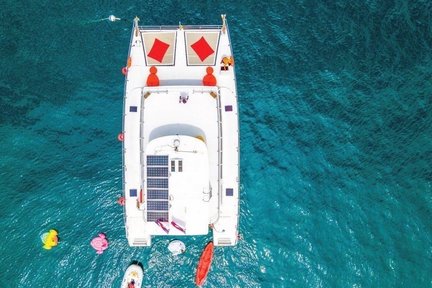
{"points": [[180, 134]]}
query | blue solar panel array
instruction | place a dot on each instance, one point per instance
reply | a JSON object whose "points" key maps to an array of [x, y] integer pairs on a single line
{"points": [[157, 160], [157, 188], [157, 205], [157, 194], [157, 171], [157, 182]]}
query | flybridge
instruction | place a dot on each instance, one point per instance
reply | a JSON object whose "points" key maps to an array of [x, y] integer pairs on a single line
{"points": [[180, 134]]}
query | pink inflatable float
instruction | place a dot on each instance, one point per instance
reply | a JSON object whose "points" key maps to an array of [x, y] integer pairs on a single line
{"points": [[99, 243]]}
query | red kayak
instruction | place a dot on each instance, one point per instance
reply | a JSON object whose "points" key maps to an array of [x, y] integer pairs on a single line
{"points": [[204, 264]]}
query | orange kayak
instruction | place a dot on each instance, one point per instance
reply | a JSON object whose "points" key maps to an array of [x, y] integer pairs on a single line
{"points": [[204, 264]]}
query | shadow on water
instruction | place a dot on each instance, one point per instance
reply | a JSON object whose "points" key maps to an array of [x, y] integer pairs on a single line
{"points": [[136, 262]]}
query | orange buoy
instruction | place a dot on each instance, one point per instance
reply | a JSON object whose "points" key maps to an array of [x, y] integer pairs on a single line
{"points": [[124, 70], [129, 62], [120, 137], [209, 79], [152, 79]]}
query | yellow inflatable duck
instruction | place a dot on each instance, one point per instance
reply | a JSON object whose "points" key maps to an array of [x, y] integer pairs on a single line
{"points": [[50, 239]]}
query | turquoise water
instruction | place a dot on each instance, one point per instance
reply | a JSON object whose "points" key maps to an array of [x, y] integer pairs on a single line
{"points": [[336, 113]]}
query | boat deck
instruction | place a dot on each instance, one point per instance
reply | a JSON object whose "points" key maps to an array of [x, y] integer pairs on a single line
{"points": [[205, 126]]}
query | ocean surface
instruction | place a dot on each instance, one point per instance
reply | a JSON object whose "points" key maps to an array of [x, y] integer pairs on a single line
{"points": [[336, 143]]}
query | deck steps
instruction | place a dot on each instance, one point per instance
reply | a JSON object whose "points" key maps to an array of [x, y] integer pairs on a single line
{"points": [[142, 242]]}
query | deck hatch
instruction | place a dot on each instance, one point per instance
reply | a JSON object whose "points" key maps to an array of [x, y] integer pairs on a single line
{"points": [[132, 192], [133, 108], [229, 192]]}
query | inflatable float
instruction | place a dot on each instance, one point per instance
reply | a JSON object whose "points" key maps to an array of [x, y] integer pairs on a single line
{"points": [[133, 277], [99, 243], [176, 247], [204, 264], [50, 239]]}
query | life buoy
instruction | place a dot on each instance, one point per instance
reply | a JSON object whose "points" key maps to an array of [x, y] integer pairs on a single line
{"points": [[124, 70], [120, 137], [121, 201]]}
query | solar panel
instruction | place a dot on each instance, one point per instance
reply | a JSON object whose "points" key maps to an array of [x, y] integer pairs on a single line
{"points": [[157, 205], [154, 216], [157, 171], [157, 183], [157, 160], [157, 194]]}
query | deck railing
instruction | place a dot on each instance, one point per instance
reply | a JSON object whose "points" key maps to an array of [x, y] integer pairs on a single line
{"points": [[142, 154], [124, 133], [175, 27], [238, 134], [220, 158]]}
